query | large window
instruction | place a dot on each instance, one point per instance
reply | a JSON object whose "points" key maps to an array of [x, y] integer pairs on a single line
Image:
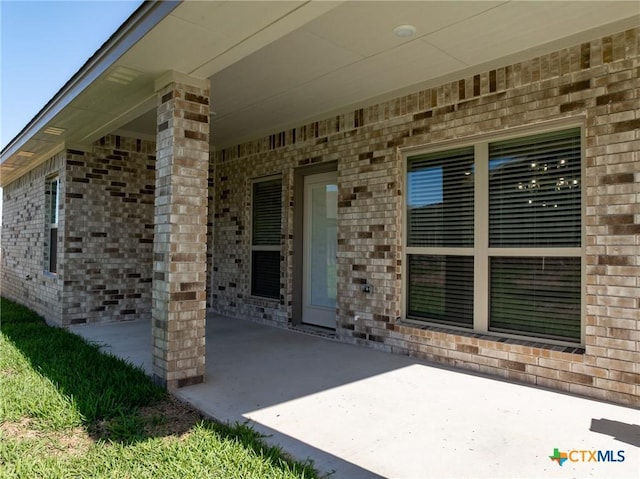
{"points": [[494, 236], [266, 238], [52, 207]]}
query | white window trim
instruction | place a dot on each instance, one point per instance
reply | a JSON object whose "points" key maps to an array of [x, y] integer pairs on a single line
{"points": [[481, 251]]}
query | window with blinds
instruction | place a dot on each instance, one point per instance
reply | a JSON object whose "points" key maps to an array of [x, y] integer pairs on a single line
{"points": [[512, 206], [266, 238], [535, 206], [440, 199], [534, 191], [536, 296], [52, 208], [441, 289], [440, 206]]}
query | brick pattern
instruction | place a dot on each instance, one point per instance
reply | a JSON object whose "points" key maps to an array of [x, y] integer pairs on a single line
{"points": [[232, 196], [597, 82], [179, 249], [108, 240], [22, 276]]}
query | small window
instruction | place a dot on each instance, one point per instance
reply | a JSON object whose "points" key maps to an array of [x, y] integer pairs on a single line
{"points": [[266, 238], [52, 208]]}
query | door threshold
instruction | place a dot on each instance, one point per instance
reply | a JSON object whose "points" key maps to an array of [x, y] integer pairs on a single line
{"points": [[313, 330]]}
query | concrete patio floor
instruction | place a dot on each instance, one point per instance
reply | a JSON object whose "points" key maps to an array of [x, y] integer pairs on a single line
{"points": [[361, 413]]}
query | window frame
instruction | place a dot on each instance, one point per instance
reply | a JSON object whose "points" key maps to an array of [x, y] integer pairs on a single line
{"points": [[481, 251], [50, 208], [252, 247]]}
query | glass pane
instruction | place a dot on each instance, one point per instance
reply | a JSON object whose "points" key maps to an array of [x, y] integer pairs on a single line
{"points": [[53, 201], [440, 199], [534, 191], [323, 237], [441, 289], [265, 274], [53, 250], [267, 211], [536, 296]]}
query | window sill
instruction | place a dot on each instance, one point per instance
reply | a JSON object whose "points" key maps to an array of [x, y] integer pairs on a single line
{"points": [[50, 275], [495, 337], [261, 301]]}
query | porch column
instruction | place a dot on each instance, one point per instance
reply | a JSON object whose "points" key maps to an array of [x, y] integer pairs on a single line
{"points": [[179, 245]]}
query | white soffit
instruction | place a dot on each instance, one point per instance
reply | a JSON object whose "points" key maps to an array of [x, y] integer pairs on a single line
{"points": [[201, 38], [278, 70], [366, 27], [518, 26], [288, 22]]}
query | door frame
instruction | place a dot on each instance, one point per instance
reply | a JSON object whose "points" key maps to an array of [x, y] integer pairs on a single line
{"points": [[298, 233]]}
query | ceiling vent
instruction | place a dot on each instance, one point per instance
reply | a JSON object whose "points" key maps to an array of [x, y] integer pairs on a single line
{"points": [[52, 130], [123, 75]]}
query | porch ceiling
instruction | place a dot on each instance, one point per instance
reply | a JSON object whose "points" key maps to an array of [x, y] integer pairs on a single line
{"points": [[275, 65]]}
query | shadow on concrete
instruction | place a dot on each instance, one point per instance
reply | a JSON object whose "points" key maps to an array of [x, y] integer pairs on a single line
{"points": [[620, 431], [261, 366], [360, 413], [249, 367], [116, 400]]}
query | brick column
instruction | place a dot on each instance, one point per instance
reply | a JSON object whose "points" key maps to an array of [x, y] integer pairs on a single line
{"points": [[179, 247]]}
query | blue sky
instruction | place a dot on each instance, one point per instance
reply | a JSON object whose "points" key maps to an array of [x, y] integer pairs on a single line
{"points": [[42, 44]]}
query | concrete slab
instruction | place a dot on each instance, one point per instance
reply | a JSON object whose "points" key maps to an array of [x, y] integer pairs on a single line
{"points": [[361, 413]]}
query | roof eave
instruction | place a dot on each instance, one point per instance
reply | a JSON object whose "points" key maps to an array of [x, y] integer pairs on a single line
{"points": [[143, 20]]}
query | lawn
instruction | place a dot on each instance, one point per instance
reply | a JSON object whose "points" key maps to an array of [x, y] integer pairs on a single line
{"points": [[69, 411]]}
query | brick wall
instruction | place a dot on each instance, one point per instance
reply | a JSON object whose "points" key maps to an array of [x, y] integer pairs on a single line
{"points": [[108, 240], [105, 244], [23, 278], [597, 83], [230, 288], [105, 234]]}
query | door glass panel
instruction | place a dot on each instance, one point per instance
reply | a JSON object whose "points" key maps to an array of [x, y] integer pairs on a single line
{"points": [[324, 208]]}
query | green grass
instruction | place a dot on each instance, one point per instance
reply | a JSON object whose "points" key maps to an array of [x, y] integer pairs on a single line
{"points": [[69, 411]]}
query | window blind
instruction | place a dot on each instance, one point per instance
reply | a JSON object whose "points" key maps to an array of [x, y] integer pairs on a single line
{"points": [[440, 199], [537, 296], [266, 238], [441, 289], [265, 274], [534, 191], [267, 211]]}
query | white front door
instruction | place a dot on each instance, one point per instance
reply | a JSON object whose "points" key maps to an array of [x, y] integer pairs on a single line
{"points": [[320, 244]]}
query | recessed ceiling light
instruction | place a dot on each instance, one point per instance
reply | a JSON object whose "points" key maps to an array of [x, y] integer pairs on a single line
{"points": [[52, 130], [404, 31]]}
